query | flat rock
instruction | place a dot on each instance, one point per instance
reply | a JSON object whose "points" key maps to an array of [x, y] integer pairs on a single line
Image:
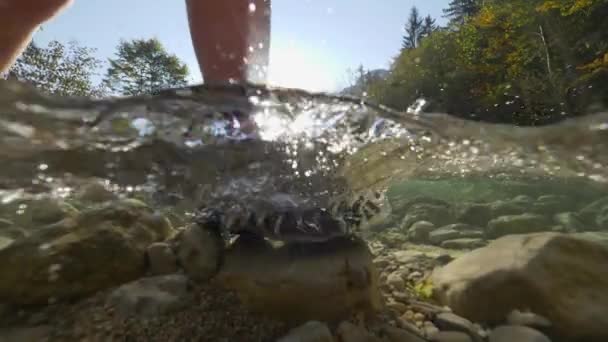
{"points": [[312, 331], [464, 243], [529, 319], [437, 236], [517, 224], [152, 296], [512, 333], [419, 231], [325, 281], [531, 271], [452, 322]]}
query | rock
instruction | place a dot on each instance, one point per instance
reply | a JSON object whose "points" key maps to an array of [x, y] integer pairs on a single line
{"points": [[312, 331], [348, 332], [589, 213], [429, 330], [161, 259], [517, 224], [462, 227], [504, 208], [570, 221], [452, 322], [439, 215], [464, 243], [531, 271], [452, 336], [597, 237], [400, 335], [550, 205], [529, 319], [45, 211], [94, 192], [152, 296], [199, 252], [99, 248], [392, 239], [523, 200], [37, 333], [477, 214], [396, 306], [511, 333], [325, 281], [419, 231], [396, 280], [408, 257], [5, 242], [436, 237], [4, 223]]}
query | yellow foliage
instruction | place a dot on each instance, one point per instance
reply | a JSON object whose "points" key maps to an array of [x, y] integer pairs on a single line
{"points": [[424, 289], [486, 18], [566, 7], [598, 63]]}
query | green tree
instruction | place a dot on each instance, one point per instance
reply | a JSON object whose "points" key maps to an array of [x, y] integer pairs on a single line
{"points": [[459, 10], [428, 27], [59, 69], [143, 66], [413, 30]]}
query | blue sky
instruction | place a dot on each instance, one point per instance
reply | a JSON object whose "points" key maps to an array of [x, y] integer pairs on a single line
{"points": [[313, 44]]}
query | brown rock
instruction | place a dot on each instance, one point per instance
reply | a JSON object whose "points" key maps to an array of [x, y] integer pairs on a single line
{"points": [[161, 259], [531, 271], [327, 281]]}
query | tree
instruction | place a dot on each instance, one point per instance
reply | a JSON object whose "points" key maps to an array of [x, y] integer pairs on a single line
{"points": [[428, 26], [413, 30], [59, 69], [144, 67], [459, 10]]}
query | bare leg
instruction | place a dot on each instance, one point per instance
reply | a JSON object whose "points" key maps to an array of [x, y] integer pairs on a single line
{"points": [[18, 20], [231, 39]]}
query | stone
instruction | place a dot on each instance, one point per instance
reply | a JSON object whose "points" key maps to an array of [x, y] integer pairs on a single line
{"points": [[312, 331], [464, 243], [452, 336], [600, 238], [437, 236], [429, 330], [529, 319], [199, 252], [348, 332], [149, 297], [45, 211], [531, 271], [37, 333], [396, 281], [99, 248], [326, 281], [462, 227], [408, 256], [400, 335], [437, 214], [161, 259], [396, 306], [523, 200], [392, 239], [505, 208], [452, 322], [94, 192], [550, 205], [510, 333], [570, 221], [517, 224], [477, 214], [419, 231]]}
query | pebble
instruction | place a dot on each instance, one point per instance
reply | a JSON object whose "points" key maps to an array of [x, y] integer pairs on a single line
{"points": [[399, 307], [451, 321], [429, 329], [530, 319], [418, 317], [396, 281], [511, 333]]}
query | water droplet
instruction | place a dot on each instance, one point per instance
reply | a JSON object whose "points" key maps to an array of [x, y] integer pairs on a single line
{"points": [[252, 7]]}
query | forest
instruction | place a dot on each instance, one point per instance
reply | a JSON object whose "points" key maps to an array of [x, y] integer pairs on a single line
{"points": [[527, 62]]}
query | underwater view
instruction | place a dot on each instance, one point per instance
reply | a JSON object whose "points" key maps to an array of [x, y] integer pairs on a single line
{"points": [[386, 171]]}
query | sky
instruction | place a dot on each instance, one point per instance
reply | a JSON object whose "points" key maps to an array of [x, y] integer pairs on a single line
{"points": [[313, 43]]}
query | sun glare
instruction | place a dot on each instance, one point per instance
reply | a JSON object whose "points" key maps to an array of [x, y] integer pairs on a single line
{"points": [[301, 67]]}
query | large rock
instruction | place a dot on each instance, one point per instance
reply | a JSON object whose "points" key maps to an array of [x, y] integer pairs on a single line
{"points": [[517, 224], [512, 333], [436, 237], [326, 281], [478, 214], [152, 296], [199, 252], [438, 214], [97, 249], [532, 272], [312, 331], [419, 231]]}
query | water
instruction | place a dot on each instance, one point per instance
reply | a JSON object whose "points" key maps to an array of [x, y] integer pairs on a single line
{"points": [[178, 151]]}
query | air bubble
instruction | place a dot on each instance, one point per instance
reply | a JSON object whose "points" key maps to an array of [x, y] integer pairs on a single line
{"points": [[252, 7]]}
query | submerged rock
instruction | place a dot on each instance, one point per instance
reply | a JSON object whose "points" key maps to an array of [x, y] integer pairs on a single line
{"points": [[517, 224], [436, 237], [199, 252], [437, 214], [152, 296], [463, 243], [94, 192], [511, 333], [419, 231], [99, 248], [570, 221], [531, 271], [161, 259], [312, 331], [326, 281]]}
